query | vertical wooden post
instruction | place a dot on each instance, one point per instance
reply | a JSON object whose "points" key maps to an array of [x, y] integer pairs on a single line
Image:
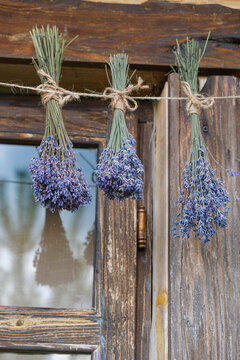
{"points": [[159, 331]]}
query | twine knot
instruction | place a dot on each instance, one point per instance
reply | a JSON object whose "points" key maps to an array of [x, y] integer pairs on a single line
{"points": [[49, 90], [196, 101], [121, 99]]}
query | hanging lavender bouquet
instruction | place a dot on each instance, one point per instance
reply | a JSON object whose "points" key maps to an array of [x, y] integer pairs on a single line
{"points": [[203, 198], [58, 182], [119, 171]]}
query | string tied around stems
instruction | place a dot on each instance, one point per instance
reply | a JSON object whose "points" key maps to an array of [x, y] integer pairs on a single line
{"points": [[121, 99], [50, 90], [196, 102]]}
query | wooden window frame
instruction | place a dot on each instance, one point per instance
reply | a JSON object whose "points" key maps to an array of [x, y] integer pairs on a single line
{"points": [[109, 328]]}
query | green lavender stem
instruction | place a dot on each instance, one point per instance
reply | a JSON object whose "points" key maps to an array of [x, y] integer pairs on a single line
{"points": [[49, 46], [188, 57], [119, 70]]}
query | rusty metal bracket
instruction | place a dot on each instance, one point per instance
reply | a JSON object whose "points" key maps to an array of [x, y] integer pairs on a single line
{"points": [[142, 228]]}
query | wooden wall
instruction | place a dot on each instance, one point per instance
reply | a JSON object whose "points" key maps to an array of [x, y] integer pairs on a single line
{"points": [[205, 279]]}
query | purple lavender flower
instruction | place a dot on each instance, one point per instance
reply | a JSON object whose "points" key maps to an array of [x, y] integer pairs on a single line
{"points": [[119, 172], [57, 183], [203, 200], [232, 173]]}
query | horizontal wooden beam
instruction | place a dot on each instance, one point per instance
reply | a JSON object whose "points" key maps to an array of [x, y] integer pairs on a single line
{"points": [[147, 32], [78, 78], [32, 329], [22, 118]]}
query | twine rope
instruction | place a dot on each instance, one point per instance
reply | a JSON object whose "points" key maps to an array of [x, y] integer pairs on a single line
{"points": [[121, 99], [196, 101], [50, 90], [63, 96]]}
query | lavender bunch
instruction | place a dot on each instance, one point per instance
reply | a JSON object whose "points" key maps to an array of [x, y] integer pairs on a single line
{"points": [[58, 182], [119, 171], [203, 198]]}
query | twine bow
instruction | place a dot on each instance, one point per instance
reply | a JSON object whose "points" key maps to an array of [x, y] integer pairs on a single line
{"points": [[50, 90], [196, 101], [121, 99]]}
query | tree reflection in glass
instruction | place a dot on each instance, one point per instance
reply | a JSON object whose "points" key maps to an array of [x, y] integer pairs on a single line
{"points": [[46, 260], [54, 260]]}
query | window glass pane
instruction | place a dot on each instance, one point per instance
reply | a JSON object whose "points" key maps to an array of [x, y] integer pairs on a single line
{"points": [[46, 259], [10, 356]]}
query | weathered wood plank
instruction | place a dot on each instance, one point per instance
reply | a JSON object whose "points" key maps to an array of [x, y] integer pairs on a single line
{"points": [[204, 315], [114, 27], [159, 330], [119, 262], [28, 328], [144, 256], [24, 117]]}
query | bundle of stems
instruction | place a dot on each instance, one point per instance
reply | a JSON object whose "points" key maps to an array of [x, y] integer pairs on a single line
{"points": [[58, 182], [119, 171], [188, 58], [119, 70], [203, 198], [49, 46]]}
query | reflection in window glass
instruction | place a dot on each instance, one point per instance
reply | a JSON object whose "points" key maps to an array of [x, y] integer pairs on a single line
{"points": [[46, 259], [11, 356]]}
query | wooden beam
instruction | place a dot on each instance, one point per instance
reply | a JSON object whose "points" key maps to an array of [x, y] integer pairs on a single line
{"points": [[147, 32], [77, 78], [86, 126]]}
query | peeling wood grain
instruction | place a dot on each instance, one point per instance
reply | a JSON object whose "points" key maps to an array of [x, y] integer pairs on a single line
{"points": [[204, 308], [114, 27], [42, 327]]}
